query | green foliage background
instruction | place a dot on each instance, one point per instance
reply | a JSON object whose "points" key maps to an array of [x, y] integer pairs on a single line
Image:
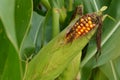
{"points": [[29, 28]]}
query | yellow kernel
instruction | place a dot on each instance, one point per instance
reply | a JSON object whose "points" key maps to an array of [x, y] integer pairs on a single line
{"points": [[81, 24], [81, 20], [88, 28], [86, 31], [79, 27], [81, 30], [86, 19], [91, 26], [76, 30], [77, 23], [86, 24], [90, 22], [89, 18]]}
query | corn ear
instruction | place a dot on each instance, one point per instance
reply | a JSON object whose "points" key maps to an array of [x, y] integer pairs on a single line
{"points": [[54, 58]]}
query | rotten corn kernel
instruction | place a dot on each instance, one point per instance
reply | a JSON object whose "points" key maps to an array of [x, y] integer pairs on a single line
{"points": [[81, 27]]}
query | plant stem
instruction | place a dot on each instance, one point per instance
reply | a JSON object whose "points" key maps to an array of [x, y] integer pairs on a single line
{"points": [[55, 23], [70, 5], [46, 4]]}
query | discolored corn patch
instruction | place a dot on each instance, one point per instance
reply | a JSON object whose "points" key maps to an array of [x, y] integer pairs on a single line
{"points": [[82, 26]]}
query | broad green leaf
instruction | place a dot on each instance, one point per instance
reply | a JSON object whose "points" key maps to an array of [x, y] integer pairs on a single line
{"points": [[110, 34], [116, 64], [7, 7], [4, 46], [97, 74], [94, 5], [54, 57], [111, 69], [17, 22], [69, 4], [32, 42], [47, 28], [22, 19], [37, 22], [10, 65]]}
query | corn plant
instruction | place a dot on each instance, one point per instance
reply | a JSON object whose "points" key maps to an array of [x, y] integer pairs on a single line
{"points": [[44, 40]]}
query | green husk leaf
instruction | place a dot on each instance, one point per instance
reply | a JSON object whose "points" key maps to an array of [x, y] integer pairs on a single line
{"points": [[55, 56], [70, 73]]}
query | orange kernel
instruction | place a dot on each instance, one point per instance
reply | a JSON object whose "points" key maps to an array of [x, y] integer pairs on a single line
{"points": [[81, 30], [86, 19], [86, 24], [91, 26], [89, 18], [76, 30], [90, 22], [81, 20], [86, 31], [81, 24], [88, 28], [78, 27], [77, 23]]}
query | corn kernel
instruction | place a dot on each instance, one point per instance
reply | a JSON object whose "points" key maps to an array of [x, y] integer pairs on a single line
{"points": [[81, 30], [89, 18], [77, 23], [76, 30], [86, 24], [81, 20], [91, 26], [86, 20], [79, 27], [86, 31], [81, 24], [89, 22], [88, 28]]}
